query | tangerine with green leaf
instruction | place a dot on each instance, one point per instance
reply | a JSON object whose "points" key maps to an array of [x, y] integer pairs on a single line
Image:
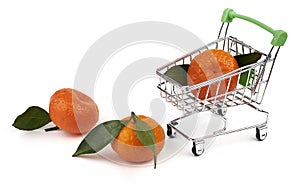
{"points": [[128, 144]]}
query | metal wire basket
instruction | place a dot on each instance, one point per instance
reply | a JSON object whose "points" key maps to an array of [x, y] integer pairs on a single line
{"points": [[253, 80]]}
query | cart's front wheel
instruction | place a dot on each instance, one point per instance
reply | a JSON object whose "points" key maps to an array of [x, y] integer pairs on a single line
{"points": [[261, 133], [170, 132]]}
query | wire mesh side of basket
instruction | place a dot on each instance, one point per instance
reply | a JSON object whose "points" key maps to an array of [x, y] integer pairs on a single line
{"points": [[186, 98]]}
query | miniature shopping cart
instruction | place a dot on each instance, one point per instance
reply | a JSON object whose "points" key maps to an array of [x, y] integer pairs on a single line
{"points": [[253, 80]]}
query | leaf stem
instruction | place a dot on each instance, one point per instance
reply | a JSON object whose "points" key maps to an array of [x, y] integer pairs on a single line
{"points": [[133, 116], [51, 129]]}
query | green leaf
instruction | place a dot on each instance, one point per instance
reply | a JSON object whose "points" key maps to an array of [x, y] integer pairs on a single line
{"points": [[145, 134], [99, 137], [178, 73], [247, 59], [33, 118], [244, 60], [245, 76]]}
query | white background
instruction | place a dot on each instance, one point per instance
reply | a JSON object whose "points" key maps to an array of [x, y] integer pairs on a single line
{"points": [[41, 45]]}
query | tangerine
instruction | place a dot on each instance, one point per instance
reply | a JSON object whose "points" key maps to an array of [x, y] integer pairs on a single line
{"points": [[73, 111], [208, 65], [129, 147]]}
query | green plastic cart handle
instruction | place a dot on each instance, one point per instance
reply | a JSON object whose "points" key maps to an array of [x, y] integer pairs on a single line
{"points": [[279, 36]]}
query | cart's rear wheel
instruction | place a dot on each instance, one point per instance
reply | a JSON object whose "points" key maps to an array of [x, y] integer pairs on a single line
{"points": [[221, 111], [194, 151], [261, 133], [198, 148]]}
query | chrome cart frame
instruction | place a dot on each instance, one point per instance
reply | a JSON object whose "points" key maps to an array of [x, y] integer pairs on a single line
{"points": [[255, 76]]}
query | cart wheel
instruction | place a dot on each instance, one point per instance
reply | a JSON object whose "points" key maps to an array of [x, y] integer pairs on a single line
{"points": [[170, 132], [198, 149], [222, 111], [261, 134]]}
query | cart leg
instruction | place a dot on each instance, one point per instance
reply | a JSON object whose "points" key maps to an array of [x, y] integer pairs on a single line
{"points": [[198, 147], [170, 132], [261, 132]]}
